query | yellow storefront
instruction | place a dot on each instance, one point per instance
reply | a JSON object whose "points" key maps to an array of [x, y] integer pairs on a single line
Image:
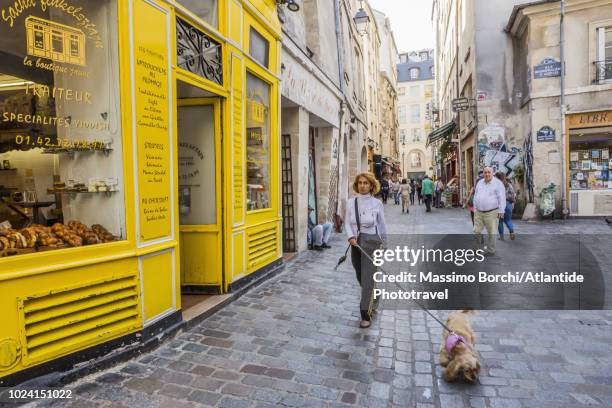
{"points": [[139, 161]]}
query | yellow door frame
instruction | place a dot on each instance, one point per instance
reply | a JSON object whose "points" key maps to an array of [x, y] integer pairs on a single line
{"points": [[217, 227]]}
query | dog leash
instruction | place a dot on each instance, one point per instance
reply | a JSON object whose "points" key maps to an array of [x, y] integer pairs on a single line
{"points": [[398, 285]]}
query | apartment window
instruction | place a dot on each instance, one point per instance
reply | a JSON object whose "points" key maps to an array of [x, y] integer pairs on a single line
{"points": [[428, 91], [414, 73], [604, 57], [416, 135], [415, 113], [402, 113], [415, 91], [401, 91]]}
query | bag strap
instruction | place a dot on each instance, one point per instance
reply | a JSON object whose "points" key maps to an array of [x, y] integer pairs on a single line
{"points": [[357, 216]]}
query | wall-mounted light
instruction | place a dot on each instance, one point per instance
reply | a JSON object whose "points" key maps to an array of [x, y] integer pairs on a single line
{"points": [[292, 5], [362, 21]]}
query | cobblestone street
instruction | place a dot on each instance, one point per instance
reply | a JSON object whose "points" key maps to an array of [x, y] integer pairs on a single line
{"points": [[294, 341]]}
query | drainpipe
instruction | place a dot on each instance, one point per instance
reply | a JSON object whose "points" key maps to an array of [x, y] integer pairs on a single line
{"points": [[562, 111], [342, 111]]}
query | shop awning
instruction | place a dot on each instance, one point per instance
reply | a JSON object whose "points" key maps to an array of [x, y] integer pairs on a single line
{"points": [[441, 132]]}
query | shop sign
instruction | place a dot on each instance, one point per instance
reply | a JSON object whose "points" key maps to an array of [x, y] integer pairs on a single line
{"points": [[152, 121], [549, 67], [546, 134], [481, 96]]}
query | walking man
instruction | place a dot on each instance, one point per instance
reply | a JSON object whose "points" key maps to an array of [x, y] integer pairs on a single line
{"points": [[427, 188], [490, 205]]}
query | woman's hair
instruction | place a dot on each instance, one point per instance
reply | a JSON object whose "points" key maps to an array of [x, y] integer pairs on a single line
{"points": [[404, 181], [374, 184]]}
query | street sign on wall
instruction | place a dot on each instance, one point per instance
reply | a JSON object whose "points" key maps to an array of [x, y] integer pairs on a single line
{"points": [[549, 67], [546, 134], [461, 104]]}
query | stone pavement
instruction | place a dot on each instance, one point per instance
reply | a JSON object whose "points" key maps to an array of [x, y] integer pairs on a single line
{"points": [[294, 341]]}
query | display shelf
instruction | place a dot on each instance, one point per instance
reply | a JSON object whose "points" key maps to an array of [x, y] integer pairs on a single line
{"points": [[75, 192], [73, 150]]}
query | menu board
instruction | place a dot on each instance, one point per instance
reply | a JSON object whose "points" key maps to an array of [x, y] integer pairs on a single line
{"points": [[152, 121]]}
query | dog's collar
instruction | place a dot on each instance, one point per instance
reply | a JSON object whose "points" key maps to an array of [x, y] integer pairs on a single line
{"points": [[452, 340]]}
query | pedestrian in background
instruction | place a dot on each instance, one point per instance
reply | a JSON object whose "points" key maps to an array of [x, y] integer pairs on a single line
{"points": [[318, 234], [384, 189], [405, 193], [469, 204], [427, 189], [395, 190], [419, 187], [510, 197], [366, 227], [439, 190], [412, 191], [490, 204]]}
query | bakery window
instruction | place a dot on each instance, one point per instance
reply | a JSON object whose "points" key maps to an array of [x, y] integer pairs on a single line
{"points": [[61, 169], [590, 159], [258, 143]]}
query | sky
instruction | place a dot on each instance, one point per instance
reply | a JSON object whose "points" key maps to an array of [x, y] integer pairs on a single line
{"points": [[410, 21]]}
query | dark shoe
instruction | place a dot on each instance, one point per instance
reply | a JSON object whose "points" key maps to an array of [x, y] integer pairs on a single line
{"points": [[512, 236], [365, 324], [317, 248], [325, 246]]}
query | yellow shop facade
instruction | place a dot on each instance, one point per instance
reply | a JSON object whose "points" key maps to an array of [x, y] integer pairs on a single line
{"points": [[139, 169]]}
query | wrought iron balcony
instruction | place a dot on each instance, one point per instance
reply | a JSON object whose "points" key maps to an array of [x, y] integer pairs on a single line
{"points": [[603, 71]]}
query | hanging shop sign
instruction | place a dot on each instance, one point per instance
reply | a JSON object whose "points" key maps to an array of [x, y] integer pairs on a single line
{"points": [[549, 67], [198, 53], [152, 122], [546, 134]]}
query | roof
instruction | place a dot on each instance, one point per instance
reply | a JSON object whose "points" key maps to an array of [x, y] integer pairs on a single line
{"points": [[425, 68], [519, 7]]}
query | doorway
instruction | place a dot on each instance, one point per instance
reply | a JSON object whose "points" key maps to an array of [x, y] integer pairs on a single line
{"points": [[199, 197]]}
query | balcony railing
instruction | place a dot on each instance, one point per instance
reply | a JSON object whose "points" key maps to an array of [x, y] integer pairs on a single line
{"points": [[603, 71]]}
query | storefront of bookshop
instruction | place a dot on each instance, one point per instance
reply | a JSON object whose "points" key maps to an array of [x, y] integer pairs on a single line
{"points": [[139, 169], [589, 157]]}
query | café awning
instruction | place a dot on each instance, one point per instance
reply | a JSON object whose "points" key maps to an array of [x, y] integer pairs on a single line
{"points": [[441, 132]]}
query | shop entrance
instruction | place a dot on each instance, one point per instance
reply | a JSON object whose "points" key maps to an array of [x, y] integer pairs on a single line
{"points": [[199, 198]]}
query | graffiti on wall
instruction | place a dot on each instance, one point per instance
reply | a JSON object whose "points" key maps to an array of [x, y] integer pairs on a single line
{"points": [[494, 151]]}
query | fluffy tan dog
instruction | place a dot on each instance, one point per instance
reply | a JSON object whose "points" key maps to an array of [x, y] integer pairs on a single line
{"points": [[457, 352]]}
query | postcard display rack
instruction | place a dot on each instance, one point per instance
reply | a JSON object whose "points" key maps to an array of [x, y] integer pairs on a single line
{"points": [[590, 169]]}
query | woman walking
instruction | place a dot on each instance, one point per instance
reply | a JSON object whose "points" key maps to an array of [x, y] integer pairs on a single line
{"points": [[412, 191], [419, 188], [510, 196], [405, 193], [365, 226]]}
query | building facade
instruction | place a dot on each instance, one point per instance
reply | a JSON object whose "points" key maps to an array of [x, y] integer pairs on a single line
{"points": [[311, 113], [568, 130], [122, 220], [387, 87], [415, 89]]}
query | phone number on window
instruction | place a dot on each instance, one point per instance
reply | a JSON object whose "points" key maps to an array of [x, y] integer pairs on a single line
{"points": [[59, 143]]}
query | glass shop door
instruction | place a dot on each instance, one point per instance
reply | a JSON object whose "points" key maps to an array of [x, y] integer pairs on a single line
{"points": [[199, 194]]}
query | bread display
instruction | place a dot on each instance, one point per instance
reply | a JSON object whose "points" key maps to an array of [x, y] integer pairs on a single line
{"points": [[39, 237]]}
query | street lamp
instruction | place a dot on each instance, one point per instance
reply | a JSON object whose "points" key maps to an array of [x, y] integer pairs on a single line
{"points": [[292, 5], [362, 21]]}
